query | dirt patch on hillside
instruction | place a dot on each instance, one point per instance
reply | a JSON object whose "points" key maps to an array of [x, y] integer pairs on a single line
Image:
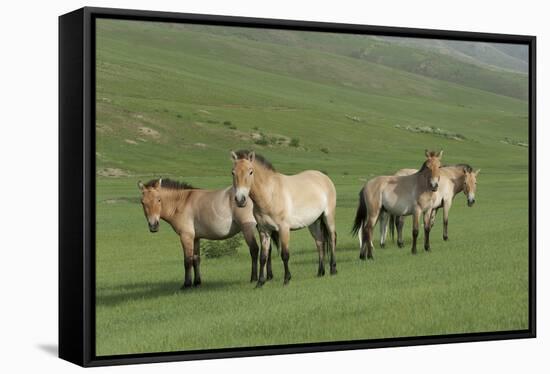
{"points": [[112, 172], [147, 131], [130, 141], [132, 200], [102, 128]]}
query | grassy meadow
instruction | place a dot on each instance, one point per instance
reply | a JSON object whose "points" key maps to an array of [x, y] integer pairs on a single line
{"points": [[173, 100]]}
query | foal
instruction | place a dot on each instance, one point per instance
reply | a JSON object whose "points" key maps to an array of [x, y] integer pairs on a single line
{"points": [[196, 214]]}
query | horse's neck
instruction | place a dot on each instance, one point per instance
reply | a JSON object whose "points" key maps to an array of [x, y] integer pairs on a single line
{"points": [[457, 179], [260, 191], [171, 200], [422, 180]]}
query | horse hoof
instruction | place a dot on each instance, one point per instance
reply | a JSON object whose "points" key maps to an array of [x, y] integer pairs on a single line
{"points": [[400, 244], [362, 256], [260, 284], [287, 279], [427, 249], [320, 273], [186, 286], [269, 277], [333, 270], [445, 238], [413, 251], [370, 257], [382, 245]]}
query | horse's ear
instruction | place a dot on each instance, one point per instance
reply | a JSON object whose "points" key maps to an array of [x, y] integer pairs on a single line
{"points": [[252, 156], [141, 186], [157, 184], [427, 153], [477, 172], [234, 156], [439, 154]]}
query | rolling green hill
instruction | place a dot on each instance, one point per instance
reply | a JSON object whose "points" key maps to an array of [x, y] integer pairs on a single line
{"points": [[173, 101], [495, 56]]}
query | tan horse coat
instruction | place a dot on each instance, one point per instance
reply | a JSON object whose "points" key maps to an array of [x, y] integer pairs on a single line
{"points": [[196, 214], [398, 195], [286, 202], [454, 179]]}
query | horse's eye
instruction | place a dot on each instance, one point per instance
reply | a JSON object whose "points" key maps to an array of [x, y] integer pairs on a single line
{"points": [[233, 172], [158, 199], [251, 171]]}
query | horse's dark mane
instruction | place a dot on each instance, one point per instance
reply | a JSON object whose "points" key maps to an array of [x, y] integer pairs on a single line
{"points": [[468, 168], [243, 154], [170, 184], [422, 168]]}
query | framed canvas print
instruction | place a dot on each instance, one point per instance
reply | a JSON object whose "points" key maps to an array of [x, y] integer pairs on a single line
{"points": [[237, 186]]}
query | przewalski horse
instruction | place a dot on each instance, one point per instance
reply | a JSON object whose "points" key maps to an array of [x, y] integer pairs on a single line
{"points": [[454, 179], [196, 214], [413, 194], [286, 202]]}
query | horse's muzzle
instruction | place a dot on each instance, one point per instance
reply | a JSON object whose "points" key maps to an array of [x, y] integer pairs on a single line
{"points": [[241, 203], [154, 228], [471, 202]]}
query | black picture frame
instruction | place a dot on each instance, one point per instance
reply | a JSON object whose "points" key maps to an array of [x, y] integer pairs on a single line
{"points": [[77, 184]]}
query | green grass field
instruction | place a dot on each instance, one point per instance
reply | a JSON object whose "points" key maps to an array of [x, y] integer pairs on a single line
{"points": [[173, 101]]}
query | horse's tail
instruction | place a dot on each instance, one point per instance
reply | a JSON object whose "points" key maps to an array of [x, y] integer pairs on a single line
{"points": [[393, 223], [275, 240], [361, 213]]}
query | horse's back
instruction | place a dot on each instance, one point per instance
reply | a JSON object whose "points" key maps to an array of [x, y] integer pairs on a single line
{"points": [[308, 183], [396, 194], [405, 172]]}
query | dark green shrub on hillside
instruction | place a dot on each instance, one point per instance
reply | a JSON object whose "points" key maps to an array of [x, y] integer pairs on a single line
{"points": [[294, 142], [221, 248]]}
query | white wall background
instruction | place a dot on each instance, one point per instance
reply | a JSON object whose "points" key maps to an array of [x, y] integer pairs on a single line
{"points": [[28, 183]]}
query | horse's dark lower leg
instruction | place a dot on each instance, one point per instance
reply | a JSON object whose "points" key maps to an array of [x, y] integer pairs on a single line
{"points": [[254, 267], [333, 254], [261, 277], [197, 270], [320, 249], [427, 237], [321, 270], [188, 264], [364, 241], [248, 233], [369, 242], [415, 236], [269, 268], [399, 222], [265, 251], [445, 229], [285, 255]]}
